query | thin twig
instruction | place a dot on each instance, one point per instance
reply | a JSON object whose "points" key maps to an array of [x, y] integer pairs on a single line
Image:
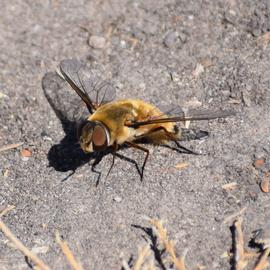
{"points": [[262, 263], [229, 186], [143, 253], [150, 266], [19, 245], [240, 261], [6, 210], [67, 252], [168, 244], [125, 265], [233, 216], [10, 146]]}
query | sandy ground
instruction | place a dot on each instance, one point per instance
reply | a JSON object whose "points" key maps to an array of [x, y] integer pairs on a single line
{"points": [[211, 54]]}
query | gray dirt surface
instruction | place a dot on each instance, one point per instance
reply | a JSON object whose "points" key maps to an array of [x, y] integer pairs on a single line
{"points": [[191, 53]]}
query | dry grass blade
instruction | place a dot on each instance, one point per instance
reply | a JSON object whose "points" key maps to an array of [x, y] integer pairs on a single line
{"points": [[241, 257], [240, 261], [262, 263], [168, 244], [6, 210], [143, 254], [233, 216], [150, 266], [10, 146], [67, 252], [125, 265], [181, 166], [19, 245], [229, 186]]}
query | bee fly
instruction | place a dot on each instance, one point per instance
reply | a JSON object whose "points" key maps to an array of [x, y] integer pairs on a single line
{"points": [[126, 121]]}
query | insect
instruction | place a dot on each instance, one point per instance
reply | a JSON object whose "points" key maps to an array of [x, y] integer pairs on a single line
{"points": [[123, 122]]}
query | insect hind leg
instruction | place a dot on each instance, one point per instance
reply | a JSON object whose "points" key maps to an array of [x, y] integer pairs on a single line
{"points": [[187, 151], [172, 136], [188, 134]]}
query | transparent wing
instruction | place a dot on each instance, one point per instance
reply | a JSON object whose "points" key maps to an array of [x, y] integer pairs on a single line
{"points": [[189, 116], [167, 111], [87, 83], [171, 110], [100, 92], [68, 107], [71, 110]]}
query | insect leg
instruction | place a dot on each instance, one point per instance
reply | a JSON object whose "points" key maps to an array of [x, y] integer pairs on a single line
{"points": [[188, 151], [134, 145], [115, 147], [170, 136]]}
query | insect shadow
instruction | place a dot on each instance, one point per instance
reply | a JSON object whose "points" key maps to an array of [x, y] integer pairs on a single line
{"points": [[67, 155], [70, 110]]}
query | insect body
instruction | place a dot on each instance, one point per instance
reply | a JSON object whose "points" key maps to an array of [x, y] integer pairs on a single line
{"points": [[114, 123], [117, 120]]}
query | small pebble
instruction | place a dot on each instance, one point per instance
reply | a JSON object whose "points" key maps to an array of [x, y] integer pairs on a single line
{"points": [[265, 183], [97, 42], [256, 32], [6, 173], [117, 199], [246, 99], [40, 250], [170, 39], [198, 70], [258, 163], [2, 95], [207, 62], [174, 76], [123, 44], [26, 153], [45, 136]]}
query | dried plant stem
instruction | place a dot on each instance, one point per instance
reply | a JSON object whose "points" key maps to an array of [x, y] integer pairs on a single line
{"points": [[240, 261], [125, 265], [143, 253], [6, 210], [150, 266], [67, 252], [233, 216], [19, 245], [10, 146], [262, 263], [168, 244], [241, 256]]}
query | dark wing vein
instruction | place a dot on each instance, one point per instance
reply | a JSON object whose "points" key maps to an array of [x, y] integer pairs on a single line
{"points": [[193, 115], [71, 67]]}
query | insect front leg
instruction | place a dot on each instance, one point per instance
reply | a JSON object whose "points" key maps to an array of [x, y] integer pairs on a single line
{"points": [[134, 145], [115, 147]]}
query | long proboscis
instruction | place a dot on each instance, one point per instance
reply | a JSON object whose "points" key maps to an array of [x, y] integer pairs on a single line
{"points": [[192, 116]]}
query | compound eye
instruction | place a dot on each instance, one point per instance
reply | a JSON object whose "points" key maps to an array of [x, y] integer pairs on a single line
{"points": [[99, 137]]}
